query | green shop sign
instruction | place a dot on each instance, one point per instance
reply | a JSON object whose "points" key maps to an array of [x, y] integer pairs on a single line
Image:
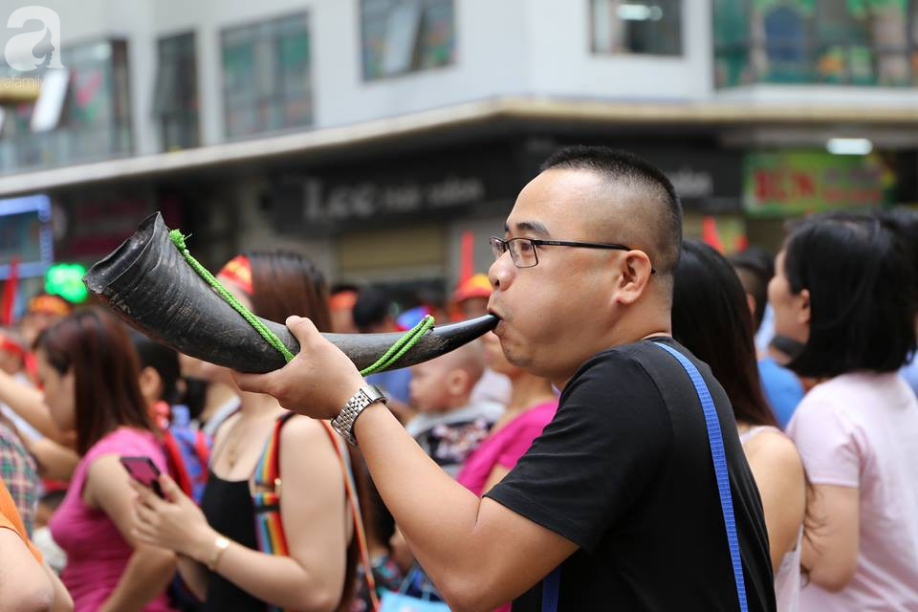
{"points": [[801, 182], [66, 280]]}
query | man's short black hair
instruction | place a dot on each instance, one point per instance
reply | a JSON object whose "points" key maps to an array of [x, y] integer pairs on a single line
{"points": [[629, 169], [755, 267], [862, 295], [373, 306]]}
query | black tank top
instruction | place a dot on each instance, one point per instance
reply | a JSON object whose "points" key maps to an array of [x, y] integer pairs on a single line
{"points": [[229, 509]]}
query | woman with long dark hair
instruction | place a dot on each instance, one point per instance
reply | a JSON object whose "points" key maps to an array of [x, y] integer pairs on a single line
{"points": [[845, 288], [711, 318], [254, 543], [88, 369]]}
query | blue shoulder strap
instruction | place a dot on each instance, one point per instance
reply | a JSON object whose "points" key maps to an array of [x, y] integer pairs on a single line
{"points": [[551, 584], [551, 587]]}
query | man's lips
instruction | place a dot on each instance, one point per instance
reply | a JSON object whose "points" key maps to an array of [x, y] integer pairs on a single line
{"points": [[500, 325]]}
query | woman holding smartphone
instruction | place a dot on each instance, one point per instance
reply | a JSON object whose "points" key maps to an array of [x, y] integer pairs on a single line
{"points": [[88, 369], [221, 545]]}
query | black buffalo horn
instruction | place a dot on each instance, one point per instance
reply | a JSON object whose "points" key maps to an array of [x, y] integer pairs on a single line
{"points": [[149, 284]]}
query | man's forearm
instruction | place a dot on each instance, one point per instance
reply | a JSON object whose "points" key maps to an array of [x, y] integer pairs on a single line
{"points": [[436, 514], [480, 553]]}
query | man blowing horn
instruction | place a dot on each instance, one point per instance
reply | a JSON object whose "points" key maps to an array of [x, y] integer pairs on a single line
{"points": [[616, 505]]}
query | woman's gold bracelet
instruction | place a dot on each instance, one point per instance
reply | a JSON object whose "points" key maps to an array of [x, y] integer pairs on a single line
{"points": [[220, 546]]}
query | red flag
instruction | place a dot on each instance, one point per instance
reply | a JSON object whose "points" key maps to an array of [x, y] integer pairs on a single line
{"points": [[742, 242], [710, 234], [467, 257], [9, 293]]}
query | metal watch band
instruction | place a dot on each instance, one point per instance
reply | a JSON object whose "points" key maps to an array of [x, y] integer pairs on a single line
{"points": [[344, 422]]}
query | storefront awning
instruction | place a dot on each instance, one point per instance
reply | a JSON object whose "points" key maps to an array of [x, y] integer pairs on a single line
{"points": [[311, 144]]}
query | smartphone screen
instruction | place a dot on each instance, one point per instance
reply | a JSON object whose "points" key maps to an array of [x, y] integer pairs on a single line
{"points": [[144, 471]]}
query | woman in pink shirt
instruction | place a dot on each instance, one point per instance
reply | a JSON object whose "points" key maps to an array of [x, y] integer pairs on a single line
{"points": [[844, 287], [532, 406], [88, 369]]}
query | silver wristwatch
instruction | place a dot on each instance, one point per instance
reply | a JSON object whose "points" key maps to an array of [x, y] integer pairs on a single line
{"points": [[344, 422]]}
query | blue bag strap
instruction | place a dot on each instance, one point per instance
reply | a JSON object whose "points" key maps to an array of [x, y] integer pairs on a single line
{"points": [[413, 575], [409, 578], [551, 586], [716, 440], [552, 583]]}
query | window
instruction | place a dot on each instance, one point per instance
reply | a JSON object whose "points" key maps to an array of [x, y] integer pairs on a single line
{"points": [[855, 42], [94, 122], [651, 27], [175, 101], [402, 36], [266, 76]]}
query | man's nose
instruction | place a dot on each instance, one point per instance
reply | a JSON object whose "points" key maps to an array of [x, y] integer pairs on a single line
{"points": [[501, 272]]}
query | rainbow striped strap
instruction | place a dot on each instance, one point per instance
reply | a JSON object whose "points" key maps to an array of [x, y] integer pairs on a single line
{"points": [[269, 528], [268, 525], [351, 489]]}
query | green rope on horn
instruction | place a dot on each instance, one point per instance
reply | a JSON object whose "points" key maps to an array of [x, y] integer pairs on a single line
{"points": [[179, 241], [402, 346]]}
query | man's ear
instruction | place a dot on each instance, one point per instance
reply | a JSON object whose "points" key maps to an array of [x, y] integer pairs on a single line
{"points": [[636, 272]]}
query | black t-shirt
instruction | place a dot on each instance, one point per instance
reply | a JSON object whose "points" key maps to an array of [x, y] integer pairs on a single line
{"points": [[625, 472]]}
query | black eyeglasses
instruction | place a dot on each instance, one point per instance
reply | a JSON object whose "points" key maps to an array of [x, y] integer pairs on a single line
{"points": [[523, 250]]}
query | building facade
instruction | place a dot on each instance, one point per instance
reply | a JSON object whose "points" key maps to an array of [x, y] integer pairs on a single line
{"points": [[374, 134]]}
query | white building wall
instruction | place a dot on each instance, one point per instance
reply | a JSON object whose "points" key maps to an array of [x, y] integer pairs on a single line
{"points": [[504, 48], [489, 58], [560, 62], [490, 62], [89, 21], [510, 47]]}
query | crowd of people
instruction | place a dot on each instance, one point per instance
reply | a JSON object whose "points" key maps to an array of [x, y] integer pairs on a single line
{"points": [[653, 425]]}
